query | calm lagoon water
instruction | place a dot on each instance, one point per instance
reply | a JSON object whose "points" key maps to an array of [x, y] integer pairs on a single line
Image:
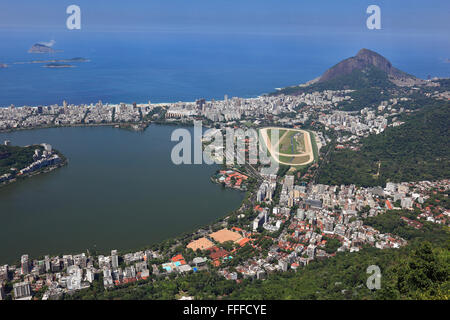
{"points": [[119, 190]]}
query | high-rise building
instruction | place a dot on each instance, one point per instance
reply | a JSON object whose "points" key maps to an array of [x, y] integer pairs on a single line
{"points": [[114, 259], [283, 265], [47, 264], [41, 266], [25, 264], [56, 265], [90, 275], [21, 290], [311, 250], [3, 273], [2, 293], [301, 214]]}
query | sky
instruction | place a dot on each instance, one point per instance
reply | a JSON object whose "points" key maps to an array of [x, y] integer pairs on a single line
{"points": [[277, 16]]}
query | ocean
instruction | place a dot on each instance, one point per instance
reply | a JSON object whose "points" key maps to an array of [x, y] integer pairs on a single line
{"points": [[171, 66]]}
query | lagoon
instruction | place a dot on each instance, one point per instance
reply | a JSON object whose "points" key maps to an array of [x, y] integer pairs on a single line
{"points": [[120, 190]]}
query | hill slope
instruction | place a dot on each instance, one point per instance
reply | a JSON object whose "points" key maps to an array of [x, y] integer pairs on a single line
{"points": [[368, 72], [417, 150], [365, 59]]}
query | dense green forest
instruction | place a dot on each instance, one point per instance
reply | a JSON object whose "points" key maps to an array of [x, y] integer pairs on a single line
{"points": [[390, 222], [15, 157], [417, 150], [420, 272]]}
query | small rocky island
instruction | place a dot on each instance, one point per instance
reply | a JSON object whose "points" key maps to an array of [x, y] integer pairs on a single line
{"points": [[78, 59], [41, 48], [2, 66], [58, 65]]}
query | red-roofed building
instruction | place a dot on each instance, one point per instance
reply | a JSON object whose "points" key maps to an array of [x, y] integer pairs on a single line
{"points": [[388, 205], [178, 257], [244, 241], [217, 253], [258, 208]]}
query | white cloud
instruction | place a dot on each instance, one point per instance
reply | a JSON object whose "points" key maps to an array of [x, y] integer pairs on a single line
{"points": [[50, 43]]}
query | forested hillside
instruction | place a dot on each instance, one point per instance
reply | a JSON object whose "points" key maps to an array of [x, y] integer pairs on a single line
{"points": [[15, 157], [417, 150]]}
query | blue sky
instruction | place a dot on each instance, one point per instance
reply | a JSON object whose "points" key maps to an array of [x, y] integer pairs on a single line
{"points": [[398, 16]]}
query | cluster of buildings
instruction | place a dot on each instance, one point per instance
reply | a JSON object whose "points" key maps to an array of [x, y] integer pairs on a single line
{"points": [[41, 159], [55, 276], [317, 214], [306, 219], [56, 115], [256, 109], [232, 178], [220, 111], [261, 219], [362, 123], [131, 268], [287, 190], [426, 196], [212, 244], [266, 189], [308, 222], [274, 221], [359, 124]]}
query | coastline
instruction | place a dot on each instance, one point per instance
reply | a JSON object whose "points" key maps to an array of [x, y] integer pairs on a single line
{"points": [[179, 237], [128, 126], [188, 234], [33, 174], [109, 124], [142, 125], [43, 170]]}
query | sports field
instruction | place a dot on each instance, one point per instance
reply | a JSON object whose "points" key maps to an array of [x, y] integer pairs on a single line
{"points": [[293, 148], [225, 235]]}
